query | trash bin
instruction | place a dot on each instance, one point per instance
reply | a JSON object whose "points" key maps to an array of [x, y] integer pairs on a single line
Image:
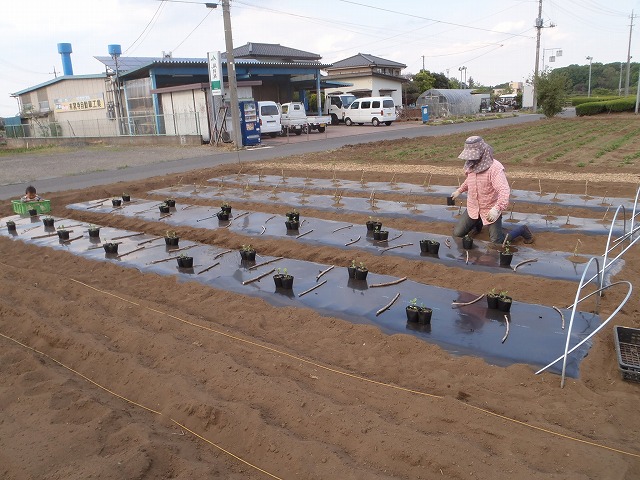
{"points": [[425, 113]]}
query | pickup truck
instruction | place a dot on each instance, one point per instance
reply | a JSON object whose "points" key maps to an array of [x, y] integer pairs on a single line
{"points": [[294, 119]]}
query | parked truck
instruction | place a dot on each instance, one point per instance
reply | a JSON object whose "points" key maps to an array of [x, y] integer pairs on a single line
{"points": [[294, 119], [336, 105]]}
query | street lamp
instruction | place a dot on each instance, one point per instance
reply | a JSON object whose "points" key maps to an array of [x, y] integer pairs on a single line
{"points": [[555, 52], [589, 90], [463, 69]]}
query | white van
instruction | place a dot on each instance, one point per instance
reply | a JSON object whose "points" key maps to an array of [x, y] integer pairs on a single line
{"points": [[374, 110], [269, 115]]}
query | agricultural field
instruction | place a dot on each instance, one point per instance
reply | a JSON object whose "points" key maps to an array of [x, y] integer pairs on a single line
{"points": [[127, 366]]}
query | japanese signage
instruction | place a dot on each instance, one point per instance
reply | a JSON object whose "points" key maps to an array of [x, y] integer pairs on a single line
{"points": [[215, 73], [74, 104]]}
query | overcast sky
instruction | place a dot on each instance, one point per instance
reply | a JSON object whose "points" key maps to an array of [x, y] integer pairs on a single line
{"points": [[494, 39]]}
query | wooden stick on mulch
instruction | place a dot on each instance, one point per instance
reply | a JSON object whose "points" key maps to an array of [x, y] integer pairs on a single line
{"points": [[312, 288], [342, 228], [128, 236], [353, 241], [127, 253], [165, 216], [246, 282], [188, 206], [387, 284], [162, 260], [305, 233], [271, 217], [396, 246], [258, 265], [396, 237], [506, 334], [561, 315], [94, 206], [151, 240], [208, 268], [205, 218], [71, 239], [323, 272], [44, 236], [388, 305], [531, 260], [29, 229], [447, 242], [463, 304], [241, 215], [221, 254], [173, 250], [264, 229]]}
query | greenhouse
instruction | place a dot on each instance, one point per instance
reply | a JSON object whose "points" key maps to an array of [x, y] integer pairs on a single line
{"points": [[444, 102]]}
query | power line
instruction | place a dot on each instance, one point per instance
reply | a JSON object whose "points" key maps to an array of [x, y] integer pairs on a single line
{"points": [[154, 18], [194, 29]]}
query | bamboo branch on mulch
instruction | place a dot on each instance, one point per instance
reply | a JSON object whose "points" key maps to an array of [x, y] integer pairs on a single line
{"points": [[205, 218], [305, 233], [354, 241], [464, 304], [71, 239], [342, 228], [258, 265], [264, 229], [396, 237], [323, 272], [531, 260], [506, 334], [396, 246], [246, 282], [388, 305], [271, 217], [221, 254], [447, 242], [312, 288], [127, 253], [561, 315], [128, 236], [162, 260], [165, 216], [467, 261], [29, 229], [95, 206], [44, 236], [188, 206], [208, 268], [241, 215], [173, 250], [150, 240], [388, 284]]}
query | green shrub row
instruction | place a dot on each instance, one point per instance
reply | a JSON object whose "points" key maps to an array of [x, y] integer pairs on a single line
{"points": [[575, 101], [594, 108]]}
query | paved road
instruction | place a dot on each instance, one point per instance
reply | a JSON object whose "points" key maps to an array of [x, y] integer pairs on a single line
{"points": [[333, 138]]}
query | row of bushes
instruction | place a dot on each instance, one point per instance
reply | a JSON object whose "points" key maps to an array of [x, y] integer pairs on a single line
{"points": [[627, 104], [575, 101]]}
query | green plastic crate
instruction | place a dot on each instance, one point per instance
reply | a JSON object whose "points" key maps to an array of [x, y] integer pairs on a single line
{"points": [[43, 206]]}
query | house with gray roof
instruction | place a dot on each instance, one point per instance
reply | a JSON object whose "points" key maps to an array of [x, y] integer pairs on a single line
{"points": [[370, 75]]}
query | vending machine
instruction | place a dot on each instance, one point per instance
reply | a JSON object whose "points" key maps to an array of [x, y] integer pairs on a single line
{"points": [[249, 123]]}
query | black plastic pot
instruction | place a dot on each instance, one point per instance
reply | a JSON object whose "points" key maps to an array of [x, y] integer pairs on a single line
{"points": [[33, 212], [164, 208], [94, 232], [110, 248], [170, 202], [383, 235], [63, 234], [222, 215], [424, 315], [287, 282], [412, 314], [116, 202], [352, 272], [467, 243], [11, 226], [226, 209], [277, 280], [185, 262], [433, 247], [505, 259], [48, 222], [171, 241], [126, 198], [504, 304], [293, 217], [292, 225], [369, 225], [361, 274], [492, 301], [450, 201], [424, 246], [249, 255]]}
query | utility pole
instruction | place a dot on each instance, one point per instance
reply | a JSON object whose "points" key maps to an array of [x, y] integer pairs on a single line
{"points": [[620, 82], [535, 70], [626, 83], [590, 58], [422, 62], [231, 74]]}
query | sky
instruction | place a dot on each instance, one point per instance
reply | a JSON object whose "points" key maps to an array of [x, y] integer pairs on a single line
{"points": [[494, 39]]}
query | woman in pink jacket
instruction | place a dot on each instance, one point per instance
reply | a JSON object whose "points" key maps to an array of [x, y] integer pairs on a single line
{"points": [[487, 193]]}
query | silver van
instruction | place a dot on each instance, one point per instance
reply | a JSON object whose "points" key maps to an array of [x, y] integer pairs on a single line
{"points": [[374, 110]]}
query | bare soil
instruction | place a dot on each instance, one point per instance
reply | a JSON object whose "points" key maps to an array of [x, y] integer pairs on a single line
{"points": [[110, 372]]}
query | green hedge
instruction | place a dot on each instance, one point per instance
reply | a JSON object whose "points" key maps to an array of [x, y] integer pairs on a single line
{"points": [[627, 104], [575, 101]]}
